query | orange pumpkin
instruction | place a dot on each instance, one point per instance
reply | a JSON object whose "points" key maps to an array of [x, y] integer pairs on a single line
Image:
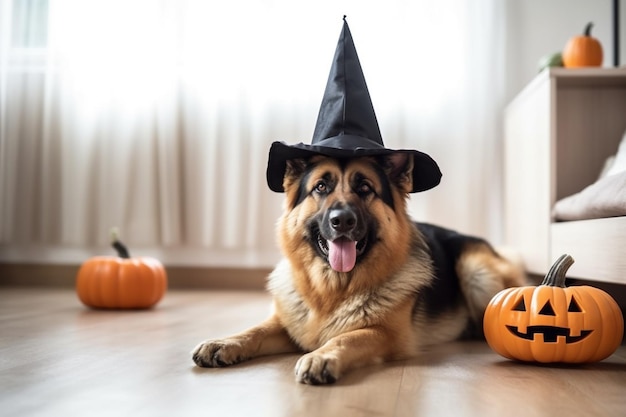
{"points": [[554, 323], [121, 282], [583, 51]]}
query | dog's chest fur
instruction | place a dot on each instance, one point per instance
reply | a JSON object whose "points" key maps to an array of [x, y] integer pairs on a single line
{"points": [[310, 328]]}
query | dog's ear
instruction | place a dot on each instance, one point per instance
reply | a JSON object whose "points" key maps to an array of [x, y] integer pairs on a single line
{"points": [[292, 182], [293, 171], [399, 168]]}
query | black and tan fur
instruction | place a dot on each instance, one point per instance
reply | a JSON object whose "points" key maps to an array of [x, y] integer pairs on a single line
{"points": [[413, 284]]}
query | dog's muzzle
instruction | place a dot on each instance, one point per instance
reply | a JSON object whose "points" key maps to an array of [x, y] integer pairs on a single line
{"points": [[342, 237]]}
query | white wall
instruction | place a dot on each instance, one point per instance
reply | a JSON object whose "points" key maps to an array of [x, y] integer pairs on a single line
{"points": [[539, 27]]}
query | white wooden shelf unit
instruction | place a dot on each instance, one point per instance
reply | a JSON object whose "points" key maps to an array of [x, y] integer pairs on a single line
{"points": [[559, 131]]}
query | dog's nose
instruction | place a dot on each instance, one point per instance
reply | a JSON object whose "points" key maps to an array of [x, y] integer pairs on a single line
{"points": [[342, 220]]}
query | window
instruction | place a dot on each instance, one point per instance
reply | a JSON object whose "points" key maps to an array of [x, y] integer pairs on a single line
{"points": [[29, 20]]}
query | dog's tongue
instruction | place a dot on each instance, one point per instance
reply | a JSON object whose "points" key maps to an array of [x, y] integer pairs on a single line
{"points": [[342, 254]]}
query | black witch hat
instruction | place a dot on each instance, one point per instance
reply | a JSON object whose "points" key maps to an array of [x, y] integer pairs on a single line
{"points": [[346, 125]]}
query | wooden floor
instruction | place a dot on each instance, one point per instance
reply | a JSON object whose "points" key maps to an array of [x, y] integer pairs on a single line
{"points": [[58, 358]]}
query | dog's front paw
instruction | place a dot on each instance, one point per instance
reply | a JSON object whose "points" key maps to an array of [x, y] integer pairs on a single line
{"points": [[218, 353], [317, 368]]}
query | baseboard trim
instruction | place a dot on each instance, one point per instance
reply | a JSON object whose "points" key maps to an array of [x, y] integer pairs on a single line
{"points": [[64, 276]]}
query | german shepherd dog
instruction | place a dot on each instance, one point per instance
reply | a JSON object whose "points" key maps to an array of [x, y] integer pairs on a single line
{"points": [[360, 283]]}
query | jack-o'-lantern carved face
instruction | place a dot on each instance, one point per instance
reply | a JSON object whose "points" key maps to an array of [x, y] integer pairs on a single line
{"points": [[554, 323], [550, 327]]}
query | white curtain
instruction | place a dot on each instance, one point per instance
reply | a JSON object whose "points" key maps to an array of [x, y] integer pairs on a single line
{"points": [[156, 116]]}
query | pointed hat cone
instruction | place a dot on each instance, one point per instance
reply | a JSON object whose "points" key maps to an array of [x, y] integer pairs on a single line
{"points": [[347, 108], [346, 124]]}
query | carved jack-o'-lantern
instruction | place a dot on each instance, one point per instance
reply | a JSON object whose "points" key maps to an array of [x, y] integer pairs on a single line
{"points": [[554, 323]]}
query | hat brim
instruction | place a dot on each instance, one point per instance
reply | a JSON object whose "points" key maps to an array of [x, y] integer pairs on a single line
{"points": [[426, 173]]}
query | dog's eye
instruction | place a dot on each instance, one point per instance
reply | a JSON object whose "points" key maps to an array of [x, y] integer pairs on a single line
{"points": [[364, 189], [321, 187]]}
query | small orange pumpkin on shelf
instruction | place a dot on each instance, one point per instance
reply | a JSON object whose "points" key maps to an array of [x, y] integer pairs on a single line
{"points": [[554, 323], [583, 51], [121, 282]]}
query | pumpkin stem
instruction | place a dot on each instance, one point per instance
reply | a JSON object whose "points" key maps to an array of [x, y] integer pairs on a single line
{"points": [[556, 275], [588, 29], [121, 249]]}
